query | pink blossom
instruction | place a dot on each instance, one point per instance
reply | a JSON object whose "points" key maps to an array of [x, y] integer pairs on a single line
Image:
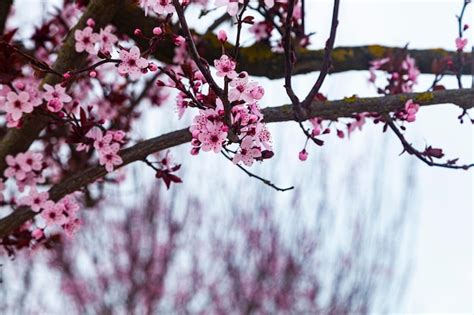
{"points": [[14, 169], [30, 161], [110, 160], [409, 65], [17, 104], [163, 7], [106, 39], [225, 67], [54, 214], [260, 31], [57, 91], [461, 43], [132, 63], [232, 5], [71, 227], [212, 138], [54, 105], [146, 5], [85, 40], [248, 152], [411, 108], [35, 200]]}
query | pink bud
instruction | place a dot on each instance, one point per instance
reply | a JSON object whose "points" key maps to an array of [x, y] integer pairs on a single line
{"points": [[222, 36], [67, 75], [20, 85], [303, 155], [194, 151], [137, 32], [153, 67], [466, 26], [54, 105], [179, 40], [157, 31], [93, 74], [90, 22], [37, 234]]}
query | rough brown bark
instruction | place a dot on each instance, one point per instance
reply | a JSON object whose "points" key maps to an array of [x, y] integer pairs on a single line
{"points": [[259, 60], [328, 110], [19, 140], [5, 6]]}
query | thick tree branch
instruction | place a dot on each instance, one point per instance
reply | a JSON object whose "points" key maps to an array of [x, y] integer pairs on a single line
{"points": [[259, 60], [19, 140], [326, 110], [5, 6]]}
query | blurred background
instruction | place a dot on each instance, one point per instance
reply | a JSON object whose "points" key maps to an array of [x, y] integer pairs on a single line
{"points": [[366, 231]]}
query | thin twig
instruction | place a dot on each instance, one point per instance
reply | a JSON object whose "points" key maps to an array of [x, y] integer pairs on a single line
{"points": [[327, 57], [263, 180], [411, 150]]}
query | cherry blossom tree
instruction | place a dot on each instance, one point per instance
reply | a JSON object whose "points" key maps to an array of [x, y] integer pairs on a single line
{"points": [[71, 94]]}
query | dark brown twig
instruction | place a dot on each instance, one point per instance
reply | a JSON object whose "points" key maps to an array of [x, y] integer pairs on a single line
{"points": [[263, 180]]}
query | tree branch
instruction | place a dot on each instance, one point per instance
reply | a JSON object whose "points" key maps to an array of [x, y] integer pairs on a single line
{"points": [[259, 60], [19, 140], [326, 110], [5, 6]]}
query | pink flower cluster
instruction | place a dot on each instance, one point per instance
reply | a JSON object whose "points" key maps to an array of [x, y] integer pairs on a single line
{"points": [[26, 168], [253, 134], [62, 213], [92, 43], [210, 131], [409, 112], [403, 74], [107, 145]]}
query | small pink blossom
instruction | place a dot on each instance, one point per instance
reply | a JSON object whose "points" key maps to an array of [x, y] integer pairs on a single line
{"points": [[35, 200], [232, 5], [86, 40], [411, 108], [54, 214], [163, 7], [132, 63], [461, 43], [110, 160], [18, 104], [213, 138], [248, 152], [106, 39], [225, 67]]}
